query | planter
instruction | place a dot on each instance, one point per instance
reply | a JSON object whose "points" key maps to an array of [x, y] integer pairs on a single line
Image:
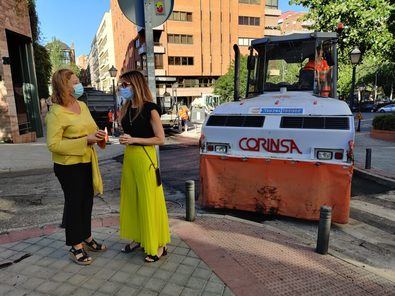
{"points": [[383, 135]]}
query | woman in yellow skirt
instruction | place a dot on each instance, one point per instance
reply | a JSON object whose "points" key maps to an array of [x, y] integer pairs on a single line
{"points": [[143, 214]]}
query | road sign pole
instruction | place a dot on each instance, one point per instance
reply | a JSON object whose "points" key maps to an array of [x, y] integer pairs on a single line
{"points": [[149, 43]]}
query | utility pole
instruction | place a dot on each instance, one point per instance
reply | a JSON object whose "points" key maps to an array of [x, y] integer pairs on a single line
{"points": [[149, 43]]}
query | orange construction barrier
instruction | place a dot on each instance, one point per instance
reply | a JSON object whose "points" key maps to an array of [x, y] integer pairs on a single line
{"points": [[272, 186]]}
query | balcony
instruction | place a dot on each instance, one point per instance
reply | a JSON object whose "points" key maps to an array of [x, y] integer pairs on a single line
{"points": [[272, 11], [272, 32], [160, 72], [158, 48]]}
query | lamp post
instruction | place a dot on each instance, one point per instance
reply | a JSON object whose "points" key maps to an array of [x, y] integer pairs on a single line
{"points": [[113, 73], [355, 57]]}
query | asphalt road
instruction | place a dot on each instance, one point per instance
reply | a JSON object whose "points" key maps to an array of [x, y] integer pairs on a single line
{"points": [[366, 121]]}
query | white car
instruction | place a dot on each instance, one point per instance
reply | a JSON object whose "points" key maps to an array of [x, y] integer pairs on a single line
{"points": [[388, 108]]}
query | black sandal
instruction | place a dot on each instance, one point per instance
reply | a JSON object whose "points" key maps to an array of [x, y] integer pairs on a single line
{"points": [[128, 249], [79, 256], [152, 259], [94, 246]]}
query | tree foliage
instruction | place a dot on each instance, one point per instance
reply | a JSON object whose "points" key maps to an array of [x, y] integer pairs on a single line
{"points": [[224, 86], [56, 53], [41, 57]]}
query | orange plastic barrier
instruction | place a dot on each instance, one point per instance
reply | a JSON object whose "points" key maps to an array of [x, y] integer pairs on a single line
{"points": [[281, 187]]}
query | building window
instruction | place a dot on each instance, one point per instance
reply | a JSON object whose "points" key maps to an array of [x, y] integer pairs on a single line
{"points": [[250, 1], [249, 21], [159, 61], [245, 41], [180, 39], [181, 16], [180, 61], [273, 4]]}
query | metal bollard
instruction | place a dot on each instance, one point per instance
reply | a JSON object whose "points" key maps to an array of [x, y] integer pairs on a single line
{"points": [[190, 200], [368, 160], [324, 228]]}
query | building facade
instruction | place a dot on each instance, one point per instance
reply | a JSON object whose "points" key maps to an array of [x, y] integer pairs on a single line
{"points": [[293, 22], [82, 62], [93, 65], [195, 45], [20, 119]]}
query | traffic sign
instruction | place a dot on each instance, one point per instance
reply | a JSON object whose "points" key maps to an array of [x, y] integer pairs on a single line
{"points": [[134, 11]]}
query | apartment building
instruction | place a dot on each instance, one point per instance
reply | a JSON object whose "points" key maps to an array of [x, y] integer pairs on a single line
{"points": [[102, 55], [294, 22], [195, 46]]}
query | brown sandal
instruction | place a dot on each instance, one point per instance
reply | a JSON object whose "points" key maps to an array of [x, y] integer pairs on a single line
{"points": [[79, 256], [94, 246]]}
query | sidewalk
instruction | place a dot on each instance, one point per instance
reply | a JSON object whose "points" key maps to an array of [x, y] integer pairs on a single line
{"points": [[383, 155], [212, 256], [35, 156]]}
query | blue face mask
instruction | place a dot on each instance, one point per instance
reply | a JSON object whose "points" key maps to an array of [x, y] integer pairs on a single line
{"points": [[78, 90], [126, 93]]}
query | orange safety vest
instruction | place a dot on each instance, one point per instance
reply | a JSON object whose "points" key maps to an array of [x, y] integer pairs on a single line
{"points": [[183, 113], [322, 68]]}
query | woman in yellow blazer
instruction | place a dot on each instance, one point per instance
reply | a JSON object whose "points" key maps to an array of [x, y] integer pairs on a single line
{"points": [[71, 135]]}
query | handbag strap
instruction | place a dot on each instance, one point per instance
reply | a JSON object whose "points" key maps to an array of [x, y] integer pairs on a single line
{"points": [[152, 163]]}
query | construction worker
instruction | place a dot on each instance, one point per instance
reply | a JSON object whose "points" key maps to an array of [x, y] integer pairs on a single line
{"points": [[323, 72], [183, 114]]}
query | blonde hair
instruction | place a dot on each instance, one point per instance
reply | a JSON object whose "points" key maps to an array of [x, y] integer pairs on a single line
{"points": [[60, 81], [142, 93]]}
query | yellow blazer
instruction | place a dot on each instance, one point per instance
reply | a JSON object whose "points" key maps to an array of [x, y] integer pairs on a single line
{"points": [[67, 139]]}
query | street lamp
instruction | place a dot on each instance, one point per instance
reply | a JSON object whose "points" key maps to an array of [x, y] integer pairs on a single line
{"points": [[355, 57], [113, 73]]}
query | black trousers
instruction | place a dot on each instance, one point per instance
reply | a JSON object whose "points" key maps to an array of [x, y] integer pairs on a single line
{"points": [[77, 185]]}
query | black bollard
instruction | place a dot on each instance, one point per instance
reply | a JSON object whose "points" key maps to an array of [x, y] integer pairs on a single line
{"points": [[324, 229], [190, 200], [368, 160]]}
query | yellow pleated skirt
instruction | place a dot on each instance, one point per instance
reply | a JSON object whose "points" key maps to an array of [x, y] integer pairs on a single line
{"points": [[143, 213]]}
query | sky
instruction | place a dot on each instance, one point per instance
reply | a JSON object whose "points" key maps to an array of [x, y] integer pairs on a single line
{"points": [[78, 20]]}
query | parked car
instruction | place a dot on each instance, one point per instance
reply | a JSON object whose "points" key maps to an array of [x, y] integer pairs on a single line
{"points": [[387, 108], [365, 107], [380, 105]]}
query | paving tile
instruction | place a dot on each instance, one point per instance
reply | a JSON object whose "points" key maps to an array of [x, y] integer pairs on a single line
{"points": [[32, 249], [33, 240], [202, 273], [121, 277], [214, 287], [172, 289], [191, 261], [138, 280], [46, 242], [130, 267], [18, 292], [62, 276], [179, 278], [77, 279], [147, 270], [176, 258], [145, 292], [155, 284], [203, 265], [191, 253], [83, 292], [171, 266], [126, 291], [48, 287], [4, 289], [20, 246], [181, 251], [110, 287], [196, 283], [66, 289], [32, 283], [190, 292], [228, 292], [163, 274], [215, 278], [206, 293], [105, 273]]}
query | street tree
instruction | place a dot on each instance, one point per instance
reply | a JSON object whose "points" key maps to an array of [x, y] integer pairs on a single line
{"points": [[59, 58], [224, 86]]}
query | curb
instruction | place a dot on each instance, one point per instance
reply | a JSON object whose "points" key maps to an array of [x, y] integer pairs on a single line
{"points": [[15, 235], [389, 182]]}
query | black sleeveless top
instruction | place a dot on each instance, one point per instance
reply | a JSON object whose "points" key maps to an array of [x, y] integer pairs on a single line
{"points": [[139, 127]]}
